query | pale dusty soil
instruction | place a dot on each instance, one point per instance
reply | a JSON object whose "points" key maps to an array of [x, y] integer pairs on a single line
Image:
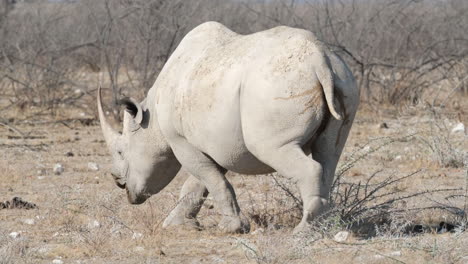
{"points": [[69, 204]]}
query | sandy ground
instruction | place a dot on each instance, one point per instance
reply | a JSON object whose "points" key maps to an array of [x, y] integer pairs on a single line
{"points": [[82, 217]]}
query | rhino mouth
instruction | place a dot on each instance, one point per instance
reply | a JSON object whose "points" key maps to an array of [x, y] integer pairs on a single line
{"points": [[136, 199]]}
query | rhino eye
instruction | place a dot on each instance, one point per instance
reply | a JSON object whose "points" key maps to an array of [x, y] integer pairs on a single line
{"points": [[119, 152]]}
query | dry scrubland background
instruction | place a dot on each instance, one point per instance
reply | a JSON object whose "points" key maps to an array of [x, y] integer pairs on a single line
{"points": [[403, 171]]}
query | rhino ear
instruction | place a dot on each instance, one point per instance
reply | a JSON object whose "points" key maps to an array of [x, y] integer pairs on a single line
{"points": [[133, 108]]}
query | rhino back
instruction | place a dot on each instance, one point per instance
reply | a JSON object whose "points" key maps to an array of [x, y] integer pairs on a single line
{"points": [[200, 88]]}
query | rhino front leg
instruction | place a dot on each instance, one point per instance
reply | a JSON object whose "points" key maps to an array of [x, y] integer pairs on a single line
{"points": [[191, 199], [213, 177]]}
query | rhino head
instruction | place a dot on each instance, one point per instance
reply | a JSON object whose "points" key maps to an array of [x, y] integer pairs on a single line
{"points": [[143, 163]]}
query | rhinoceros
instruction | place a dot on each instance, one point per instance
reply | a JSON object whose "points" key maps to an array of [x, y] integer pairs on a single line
{"points": [[274, 101]]}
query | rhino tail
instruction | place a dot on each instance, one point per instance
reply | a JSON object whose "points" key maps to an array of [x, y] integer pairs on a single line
{"points": [[325, 78]]}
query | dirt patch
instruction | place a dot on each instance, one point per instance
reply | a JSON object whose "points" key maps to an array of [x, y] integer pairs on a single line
{"points": [[84, 217]]}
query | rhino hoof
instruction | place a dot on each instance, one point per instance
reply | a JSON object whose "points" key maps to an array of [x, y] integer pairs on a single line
{"points": [[302, 227], [190, 223], [234, 224]]}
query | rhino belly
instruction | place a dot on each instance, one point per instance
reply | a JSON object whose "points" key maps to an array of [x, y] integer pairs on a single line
{"points": [[242, 162], [224, 143]]}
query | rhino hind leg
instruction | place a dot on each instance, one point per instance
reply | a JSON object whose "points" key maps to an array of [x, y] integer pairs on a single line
{"points": [[192, 196], [211, 175], [290, 161]]}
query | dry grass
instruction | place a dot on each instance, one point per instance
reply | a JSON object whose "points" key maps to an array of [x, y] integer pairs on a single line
{"points": [[82, 216]]}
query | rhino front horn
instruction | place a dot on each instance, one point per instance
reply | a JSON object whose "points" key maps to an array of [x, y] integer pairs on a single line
{"points": [[110, 135]]}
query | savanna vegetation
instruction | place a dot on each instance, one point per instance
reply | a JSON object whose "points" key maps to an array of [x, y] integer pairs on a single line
{"points": [[401, 188]]}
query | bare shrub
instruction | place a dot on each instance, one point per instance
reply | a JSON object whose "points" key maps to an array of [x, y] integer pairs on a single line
{"points": [[400, 51], [438, 142], [268, 209], [374, 206], [33, 62], [351, 203], [370, 207]]}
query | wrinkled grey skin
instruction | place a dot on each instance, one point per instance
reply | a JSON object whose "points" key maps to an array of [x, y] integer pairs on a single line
{"points": [[277, 100]]}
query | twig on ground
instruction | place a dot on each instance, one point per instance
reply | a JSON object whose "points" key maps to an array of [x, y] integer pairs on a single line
{"points": [[12, 128]]}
